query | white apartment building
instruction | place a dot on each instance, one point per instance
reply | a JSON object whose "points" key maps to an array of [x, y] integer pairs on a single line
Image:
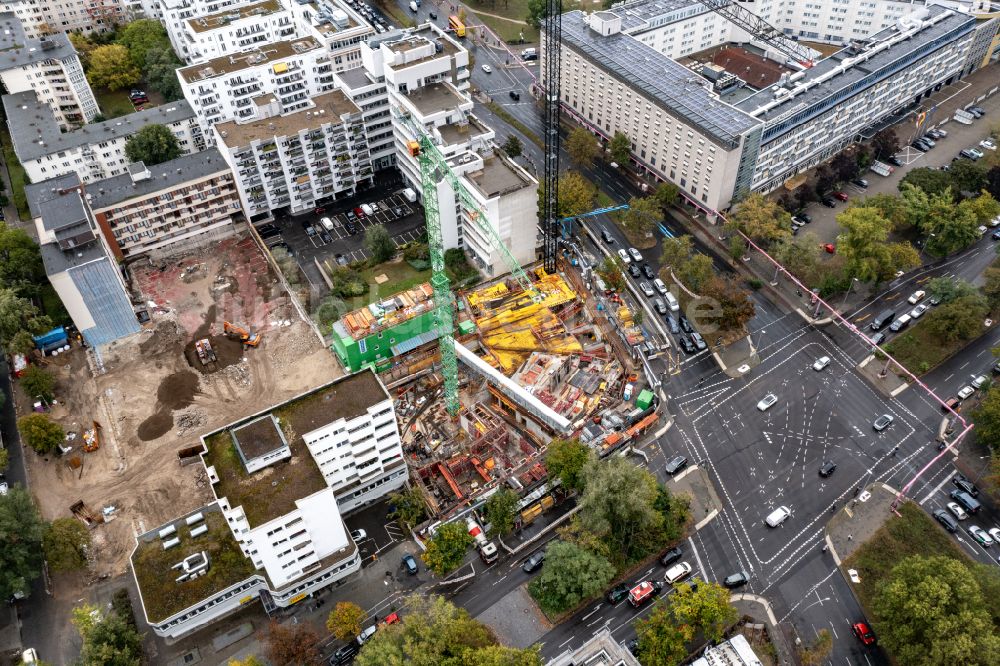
{"points": [[231, 87], [275, 531], [426, 74], [236, 29], [174, 15], [94, 151], [49, 67], [291, 160], [680, 130], [50, 17], [370, 95]]}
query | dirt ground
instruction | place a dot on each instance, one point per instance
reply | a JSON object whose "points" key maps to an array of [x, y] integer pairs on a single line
{"points": [[153, 397]]}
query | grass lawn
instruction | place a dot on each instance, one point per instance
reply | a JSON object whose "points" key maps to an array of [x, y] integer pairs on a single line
{"points": [[919, 350], [401, 276], [18, 178], [113, 104]]}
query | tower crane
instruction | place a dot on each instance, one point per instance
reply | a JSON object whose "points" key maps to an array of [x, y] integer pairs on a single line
{"points": [[761, 30], [567, 222]]}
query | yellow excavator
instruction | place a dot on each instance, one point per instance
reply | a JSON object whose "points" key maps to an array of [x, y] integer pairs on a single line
{"points": [[247, 337]]}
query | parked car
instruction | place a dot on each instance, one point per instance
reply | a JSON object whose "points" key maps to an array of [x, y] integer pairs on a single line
{"points": [[894, 161], [636, 255], [410, 564], [660, 287], [618, 593], [967, 154], [988, 144], [978, 382], [660, 306], [946, 520], [676, 464], [677, 573], [864, 633], [916, 297], [686, 344], [860, 182], [675, 329], [882, 422], [646, 289], [828, 202], [634, 271], [534, 562], [345, 654], [965, 485], [975, 151], [827, 468], [648, 272], [965, 392], [918, 312], [878, 338], [623, 253], [841, 195], [699, 342], [671, 556], [359, 212]]}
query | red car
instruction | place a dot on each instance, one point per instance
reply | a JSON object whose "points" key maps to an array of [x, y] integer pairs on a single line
{"points": [[830, 248], [864, 633], [360, 213], [841, 195], [319, 210]]}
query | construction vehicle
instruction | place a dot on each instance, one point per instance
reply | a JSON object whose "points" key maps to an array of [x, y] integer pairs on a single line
{"points": [[487, 549], [205, 352], [644, 591], [88, 516], [244, 335], [92, 438]]}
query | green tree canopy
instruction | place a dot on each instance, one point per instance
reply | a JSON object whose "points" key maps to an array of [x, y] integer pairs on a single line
{"points": [[931, 611], [410, 507], [65, 543], [570, 576], [161, 72], [20, 262], [676, 251], [111, 641], [736, 306], [40, 432], [537, 11], [582, 146], [379, 243], [620, 147], [863, 244], [566, 459], [667, 194], [500, 511], [512, 146], [761, 219], [19, 315], [960, 319], [987, 419], [447, 548], [141, 36], [612, 271], [696, 272], [661, 641], [345, 620], [111, 68], [642, 215], [21, 532], [38, 383], [153, 144], [945, 289], [704, 606], [967, 176], [948, 228], [891, 207], [931, 181], [886, 143]]}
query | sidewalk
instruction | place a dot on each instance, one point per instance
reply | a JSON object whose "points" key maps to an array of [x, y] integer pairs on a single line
{"points": [[859, 520]]}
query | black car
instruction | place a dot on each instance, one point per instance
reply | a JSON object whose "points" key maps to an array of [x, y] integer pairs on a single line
{"points": [[878, 338], [606, 237], [350, 228], [675, 329], [963, 483], [410, 564], [533, 563], [805, 218], [686, 344], [736, 580], [648, 272], [828, 202], [946, 520], [860, 182], [633, 646], [327, 238], [827, 468], [894, 161], [617, 594], [671, 556], [432, 16], [676, 464], [514, 95], [686, 325], [633, 270], [346, 654]]}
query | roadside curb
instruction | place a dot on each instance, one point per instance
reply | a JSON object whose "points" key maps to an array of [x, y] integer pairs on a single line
{"points": [[706, 520], [760, 600], [548, 528]]}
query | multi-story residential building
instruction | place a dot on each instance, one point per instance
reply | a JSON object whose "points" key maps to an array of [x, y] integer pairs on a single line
{"points": [[79, 263], [94, 151], [174, 15], [238, 28], [426, 74], [292, 160], [600, 650], [716, 148], [166, 208], [337, 25], [231, 87], [50, 17], [371, 97], [282, 478], [50, 68]]}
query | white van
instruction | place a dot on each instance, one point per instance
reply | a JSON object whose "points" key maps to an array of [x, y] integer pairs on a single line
{"points": [[672, 302], [413, 7], [677, 572], [327, 223], [410, 195], [368, 209], [778, 516], [901, 323]]}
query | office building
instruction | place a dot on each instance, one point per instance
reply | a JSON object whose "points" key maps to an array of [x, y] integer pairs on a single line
{"points": [[163, 209], [282, 479], [600, 650], [94, 151], [78, 262], [292, 160], [48, 67]]}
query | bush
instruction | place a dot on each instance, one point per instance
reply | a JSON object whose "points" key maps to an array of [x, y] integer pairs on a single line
{"points": [[40, 432]]}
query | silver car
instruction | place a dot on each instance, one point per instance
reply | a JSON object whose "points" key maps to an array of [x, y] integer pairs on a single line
{"points": [[882, 422], [646, 289], [767, 402], [821, 363]]}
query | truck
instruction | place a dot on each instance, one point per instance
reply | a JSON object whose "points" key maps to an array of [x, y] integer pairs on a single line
{"points": [[644, 591], [205, 352], [410, 195], [487, 549], [881, 168]]}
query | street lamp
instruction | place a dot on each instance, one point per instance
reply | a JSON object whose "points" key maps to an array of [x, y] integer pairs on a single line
{"points": [[849, 287]]}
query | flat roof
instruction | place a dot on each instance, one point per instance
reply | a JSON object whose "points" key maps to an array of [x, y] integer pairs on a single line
{"points": [[355, 78], [436, 97], [38, 193], [36, 133], [11, 32], [417, 38], [389, 312], [462, 132], [681, 92], [271, 492], [224, 18], [260, 436], [498, 177], [162, 595], [16, 50], [853, 74], [257, 57], [164, 176], [640, 15], [327, 108]]}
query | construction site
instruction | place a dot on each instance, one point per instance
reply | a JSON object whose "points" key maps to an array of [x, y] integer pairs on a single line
{"points": [[222, 341], [533, 366]]}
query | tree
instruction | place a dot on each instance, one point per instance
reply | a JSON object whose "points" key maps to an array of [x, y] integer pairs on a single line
{"points": [[570, 575], [799, 254], [805, 194], [949, 228], [818, 651], [676, 251], [611, 270], [845, 165], [931, 181], [983, 208], [825, 179], [379, 243], [435, 631], [83, 45], [4, 454], [345, 620], [140, 37], [987, 420], [993, 181], [886, 143], [111, 641], [891, 207], [21, 532], [153, 144], [703, 606], [447, 548], [40, 432], [537, 11], [960, 319], [38, 383], [566, 459], [161, 73], [582, 146], [734, 301], [290, 645], [967, 176], [111, 68], [864, 246], [642, 215], [410, 507], [576, 195], [65, 543], [666, 194], [620, 148], [252, 660], [761, 219], [945, 289], [21, 266], [512, 146], [991, 288], [661, 641], [500, 511], [931, 611], [18, 315], [696, 272]]}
